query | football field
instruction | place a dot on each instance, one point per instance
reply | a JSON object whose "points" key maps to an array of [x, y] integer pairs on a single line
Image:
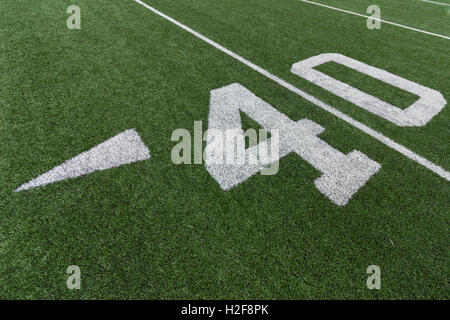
{"points": [[90, 122]]}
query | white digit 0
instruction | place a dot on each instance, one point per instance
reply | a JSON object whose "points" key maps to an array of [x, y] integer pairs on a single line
{"points": [[430, 103]]}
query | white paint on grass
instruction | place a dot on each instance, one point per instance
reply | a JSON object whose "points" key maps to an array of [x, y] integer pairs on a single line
{"points": [[435, 2], [342, 175], [371, 132], [369, 17], [431, 102], [127, 147]]}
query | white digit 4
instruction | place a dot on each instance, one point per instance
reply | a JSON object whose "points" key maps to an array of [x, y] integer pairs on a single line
{"points": [[342, 175]]}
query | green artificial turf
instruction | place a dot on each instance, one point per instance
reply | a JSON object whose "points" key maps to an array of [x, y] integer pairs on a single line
{"points": [[426, 16], [155, 230]]}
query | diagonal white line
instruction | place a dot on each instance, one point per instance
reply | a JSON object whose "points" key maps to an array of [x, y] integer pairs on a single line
{"points": [[435, 2], [378, 136], [384, 21]]}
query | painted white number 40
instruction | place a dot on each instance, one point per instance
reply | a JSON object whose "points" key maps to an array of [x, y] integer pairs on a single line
{"points": [[342, 175]]}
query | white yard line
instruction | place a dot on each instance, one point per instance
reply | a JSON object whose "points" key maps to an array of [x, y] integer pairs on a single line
{"points": [[380, 137], [384, 21], [435, 2]]}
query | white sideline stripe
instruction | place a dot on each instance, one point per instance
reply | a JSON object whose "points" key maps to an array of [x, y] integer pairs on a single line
{"points": [[380, 137], [377, 19], [435, 2]]}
